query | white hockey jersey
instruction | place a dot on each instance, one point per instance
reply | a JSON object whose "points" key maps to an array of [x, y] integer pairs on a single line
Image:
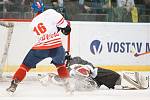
{"points": [[44, 26]]}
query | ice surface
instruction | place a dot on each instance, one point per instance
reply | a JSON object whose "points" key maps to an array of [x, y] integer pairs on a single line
{"points": [[33, 90]]}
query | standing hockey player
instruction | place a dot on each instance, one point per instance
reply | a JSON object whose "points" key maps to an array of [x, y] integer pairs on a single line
{"points": [[45, 25]]}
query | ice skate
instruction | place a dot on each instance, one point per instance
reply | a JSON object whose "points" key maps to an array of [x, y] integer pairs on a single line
{"points": [[13, 86]]}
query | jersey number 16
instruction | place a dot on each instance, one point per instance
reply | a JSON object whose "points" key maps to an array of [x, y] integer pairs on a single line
{"points": [[40, 29]]}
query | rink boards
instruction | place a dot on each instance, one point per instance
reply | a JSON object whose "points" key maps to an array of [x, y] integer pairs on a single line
{"points": [[107, 45]]}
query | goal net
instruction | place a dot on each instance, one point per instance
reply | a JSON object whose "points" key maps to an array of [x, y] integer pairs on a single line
{"points": [[5, 39]]}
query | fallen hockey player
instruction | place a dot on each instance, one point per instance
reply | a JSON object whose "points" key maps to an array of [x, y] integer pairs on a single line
{"points": [[85, 77]]}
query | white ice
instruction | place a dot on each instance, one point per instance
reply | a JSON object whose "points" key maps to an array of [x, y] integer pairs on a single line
{"points": [[33, 90]]}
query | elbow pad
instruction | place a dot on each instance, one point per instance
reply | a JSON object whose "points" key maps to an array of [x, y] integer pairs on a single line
{"points": [[66, 30]]}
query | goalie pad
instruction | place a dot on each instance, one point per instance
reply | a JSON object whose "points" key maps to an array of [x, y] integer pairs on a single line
{"points": [[135, 80], [82, 83], [77, 82], [44, 80], [51, 78]]}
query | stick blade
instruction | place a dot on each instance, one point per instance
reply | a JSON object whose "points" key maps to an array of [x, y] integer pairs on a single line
{"points": [[136, 55]]}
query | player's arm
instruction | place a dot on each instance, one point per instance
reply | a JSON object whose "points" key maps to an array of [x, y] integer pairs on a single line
{"points": [[62, 24], [65, 30]]}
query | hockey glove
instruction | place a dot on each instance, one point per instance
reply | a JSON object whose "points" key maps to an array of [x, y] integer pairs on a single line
{"points": [[66, 30]]}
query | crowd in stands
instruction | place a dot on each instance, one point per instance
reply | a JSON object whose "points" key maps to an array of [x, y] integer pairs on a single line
{"points": [[83, 10]]}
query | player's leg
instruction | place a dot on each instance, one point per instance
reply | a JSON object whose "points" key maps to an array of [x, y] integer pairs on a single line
{"points": [[58, 59], [30, 61], [57, 55], [18, 77]]}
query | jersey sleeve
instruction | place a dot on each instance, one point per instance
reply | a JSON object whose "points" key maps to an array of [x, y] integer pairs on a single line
{"points": [[62, 23], [57, 18], [60, 20]]}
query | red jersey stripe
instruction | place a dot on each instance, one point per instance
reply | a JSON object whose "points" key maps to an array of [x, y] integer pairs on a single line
{"points": [[47, 47], [60, 21]]}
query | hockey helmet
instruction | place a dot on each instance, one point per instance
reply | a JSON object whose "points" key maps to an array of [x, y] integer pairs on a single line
{"points": [[82, 70], [38, 6]]}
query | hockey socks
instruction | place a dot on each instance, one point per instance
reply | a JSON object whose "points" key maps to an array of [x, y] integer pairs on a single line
{"points": [[21, 72], [62, 71]]}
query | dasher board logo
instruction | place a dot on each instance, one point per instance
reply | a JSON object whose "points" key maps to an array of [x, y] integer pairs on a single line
{"points": [[134, 48], [96, 47]]}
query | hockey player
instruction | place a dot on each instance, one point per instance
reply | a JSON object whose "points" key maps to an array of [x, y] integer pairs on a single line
{"points": [[100, 75], [46, 26], [87, 77], [109, 78]]}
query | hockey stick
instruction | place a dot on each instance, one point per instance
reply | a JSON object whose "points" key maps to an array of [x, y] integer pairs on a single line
{"points": [[140, 54]]}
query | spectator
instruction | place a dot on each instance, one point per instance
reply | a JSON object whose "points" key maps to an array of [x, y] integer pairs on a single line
{"points": [[26, 5], [58, 5], [84, 7], [128, 4], [95, 6], [101, 6], [102, 3], [7, 3], [147, 4], [122, 13]]}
